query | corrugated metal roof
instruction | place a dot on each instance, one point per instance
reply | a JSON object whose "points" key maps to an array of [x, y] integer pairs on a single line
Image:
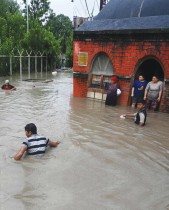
{"points": [[160, 23], [133, 15], [118, 9]]}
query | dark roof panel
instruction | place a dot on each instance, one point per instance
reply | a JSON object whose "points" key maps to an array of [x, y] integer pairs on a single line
{"points": [[144, 23], [130, 15], [118, 9]]}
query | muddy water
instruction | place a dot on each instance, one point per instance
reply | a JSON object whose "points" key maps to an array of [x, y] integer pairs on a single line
{"points": [[102, 163]]}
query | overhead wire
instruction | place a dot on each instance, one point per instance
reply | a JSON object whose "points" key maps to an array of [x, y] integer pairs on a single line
{"points": [[83, 6], [77, 10], [93, 9], [87, 8], [74, 12]]}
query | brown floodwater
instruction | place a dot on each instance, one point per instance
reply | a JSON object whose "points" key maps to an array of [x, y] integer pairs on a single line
{"points": [[103, 162]]}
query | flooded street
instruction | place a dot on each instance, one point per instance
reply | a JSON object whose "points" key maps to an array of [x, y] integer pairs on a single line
{"points": [[103, 162]]}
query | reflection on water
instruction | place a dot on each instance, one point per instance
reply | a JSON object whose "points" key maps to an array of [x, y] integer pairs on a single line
{"points": [[102, 163]]}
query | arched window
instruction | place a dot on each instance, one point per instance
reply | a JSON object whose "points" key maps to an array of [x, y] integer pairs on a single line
{"points": [[101, 71], [102, 65]]}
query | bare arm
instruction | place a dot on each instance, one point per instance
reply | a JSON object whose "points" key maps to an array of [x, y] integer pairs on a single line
{"points": [[145, 94], [20, 153], [159, 96], [53, 143], [12, 87], [146, 90], [129, 115], [132, 91]]}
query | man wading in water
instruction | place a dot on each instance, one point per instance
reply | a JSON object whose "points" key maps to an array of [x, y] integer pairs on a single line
{"points": [[34, 144]]}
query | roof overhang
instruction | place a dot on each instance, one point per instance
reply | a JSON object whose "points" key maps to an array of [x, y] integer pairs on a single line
{"points": [[153, 24]]}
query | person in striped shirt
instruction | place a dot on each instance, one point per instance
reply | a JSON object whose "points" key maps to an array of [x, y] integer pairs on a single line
{"points": [[34, 144]]}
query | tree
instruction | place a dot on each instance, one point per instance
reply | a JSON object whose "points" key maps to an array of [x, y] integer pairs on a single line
{"points": [[38, 39], [69, 51], [8, 6], [61, 27], [16, 28], [12, 23], [12, 26], [38, 10], [3, 31], [43, 36]]}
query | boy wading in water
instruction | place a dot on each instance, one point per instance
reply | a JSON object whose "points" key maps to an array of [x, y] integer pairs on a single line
{"points": [[34, 144], [140, 116]]}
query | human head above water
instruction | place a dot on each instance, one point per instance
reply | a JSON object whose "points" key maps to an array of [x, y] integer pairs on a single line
{"points": [[31, 127], [7, 81]]}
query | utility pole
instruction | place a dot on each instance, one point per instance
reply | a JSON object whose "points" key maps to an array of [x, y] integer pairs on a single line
{"points": [[103, 3], [27, 15]]}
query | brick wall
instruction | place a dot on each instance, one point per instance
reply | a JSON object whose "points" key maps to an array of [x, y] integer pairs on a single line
{"points": [[164, 105], [80, 87], [123, 99]]}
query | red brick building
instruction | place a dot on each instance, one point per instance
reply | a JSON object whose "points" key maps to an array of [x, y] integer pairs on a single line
{"points": [[126, 38]]}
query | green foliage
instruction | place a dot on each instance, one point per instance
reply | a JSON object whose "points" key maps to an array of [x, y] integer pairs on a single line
{"points": [[16, 28], [8, 6], [61, 27], [38, 9], [39, 39], [69, 51], [3, 31], [48, 34], [12, 31], [12, 26]]}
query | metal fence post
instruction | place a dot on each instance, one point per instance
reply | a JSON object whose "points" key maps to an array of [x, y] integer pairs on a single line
{"points": [[10, 65]]}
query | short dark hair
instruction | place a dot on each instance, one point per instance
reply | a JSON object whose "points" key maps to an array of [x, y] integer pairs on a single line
{"points": [[141, 75], [31, 127], [155, 75]]}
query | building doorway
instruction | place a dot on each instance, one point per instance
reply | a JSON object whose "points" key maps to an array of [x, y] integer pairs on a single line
{"points": [[148, 68]]}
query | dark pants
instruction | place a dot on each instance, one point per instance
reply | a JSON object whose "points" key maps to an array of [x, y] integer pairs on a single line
{"points": [[111, 99], [152, 104], [137, 99]]}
